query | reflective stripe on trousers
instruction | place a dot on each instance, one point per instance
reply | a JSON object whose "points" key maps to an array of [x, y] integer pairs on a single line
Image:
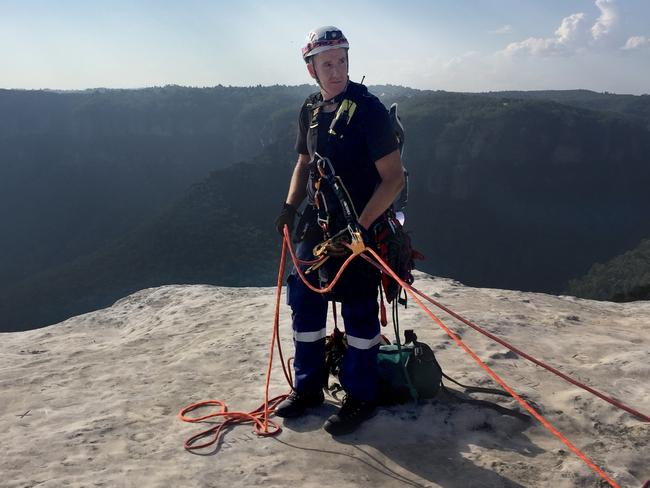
{"points": [[310, 336]]}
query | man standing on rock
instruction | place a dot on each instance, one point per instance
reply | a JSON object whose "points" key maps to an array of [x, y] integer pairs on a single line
{"points": [[345, 130]]}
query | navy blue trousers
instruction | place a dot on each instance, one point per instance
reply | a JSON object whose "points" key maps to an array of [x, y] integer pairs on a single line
{"points": [[309, 313]]}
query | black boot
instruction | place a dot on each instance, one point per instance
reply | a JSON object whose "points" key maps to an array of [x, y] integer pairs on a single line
{"points": [[296, 403], [350, 416]]}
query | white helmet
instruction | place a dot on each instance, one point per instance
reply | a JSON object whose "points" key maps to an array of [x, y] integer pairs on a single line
{"points": [[323, 39]]}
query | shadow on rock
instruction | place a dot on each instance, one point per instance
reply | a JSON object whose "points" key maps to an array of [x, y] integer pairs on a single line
{"points": [[435, 444]]}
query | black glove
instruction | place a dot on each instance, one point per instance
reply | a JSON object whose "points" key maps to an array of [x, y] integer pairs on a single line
{"points": [[286, 217]]}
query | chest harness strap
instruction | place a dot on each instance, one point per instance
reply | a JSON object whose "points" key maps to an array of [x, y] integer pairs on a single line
{"points": [[328, 186]]}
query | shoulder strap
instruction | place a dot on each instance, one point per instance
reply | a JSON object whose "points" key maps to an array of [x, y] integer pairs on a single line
{"points": [[356, 91], [401, 201], [313, 106], [397, 126], [351, 99]]}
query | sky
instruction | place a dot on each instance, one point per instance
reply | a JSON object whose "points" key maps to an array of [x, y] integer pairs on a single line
{"points": [[454, 45]]}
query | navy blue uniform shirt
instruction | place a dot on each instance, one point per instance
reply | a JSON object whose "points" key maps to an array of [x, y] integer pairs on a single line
{"points": [[368, 138]]}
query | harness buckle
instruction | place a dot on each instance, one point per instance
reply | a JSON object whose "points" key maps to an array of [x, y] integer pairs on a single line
{"points": [[357, 246]]}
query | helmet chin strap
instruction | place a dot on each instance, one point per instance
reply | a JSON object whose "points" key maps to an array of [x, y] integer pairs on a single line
{"points": [[313, 65]]}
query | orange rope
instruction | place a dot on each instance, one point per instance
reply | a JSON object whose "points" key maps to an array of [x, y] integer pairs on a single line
{"points": [[496, 377], [257, 416], [260, 416], [566, 377], [521, 353], [274, 337]]}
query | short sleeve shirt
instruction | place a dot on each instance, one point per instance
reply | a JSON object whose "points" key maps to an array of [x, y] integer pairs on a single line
{"points": [[368, 138]]}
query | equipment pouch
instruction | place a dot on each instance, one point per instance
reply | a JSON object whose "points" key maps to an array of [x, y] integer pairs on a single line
{"points": [[395, 248], [409, 372]]}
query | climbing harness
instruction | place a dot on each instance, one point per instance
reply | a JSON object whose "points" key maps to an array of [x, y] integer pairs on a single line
{"points": [[338, 220], [331, 193], [336, 214]]}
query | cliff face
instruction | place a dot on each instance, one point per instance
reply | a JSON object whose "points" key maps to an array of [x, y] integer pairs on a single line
{"points": [[508, 193], [549, 189], [79, 169]]}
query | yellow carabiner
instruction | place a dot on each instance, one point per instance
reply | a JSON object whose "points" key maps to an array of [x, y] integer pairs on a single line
{"points": [[357, 246]]}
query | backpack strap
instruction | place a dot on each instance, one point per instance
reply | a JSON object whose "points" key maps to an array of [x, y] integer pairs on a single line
{"points": [[484, 403]]}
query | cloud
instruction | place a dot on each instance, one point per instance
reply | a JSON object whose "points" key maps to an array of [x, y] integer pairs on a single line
{"points": [[458, 61], [573, 35], [636, 42], [504, 29], [567, 37], [570, 31], [607, 20]]}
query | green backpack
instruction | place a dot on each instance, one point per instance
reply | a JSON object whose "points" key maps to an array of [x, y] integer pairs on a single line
{"points": [[408, 371]]}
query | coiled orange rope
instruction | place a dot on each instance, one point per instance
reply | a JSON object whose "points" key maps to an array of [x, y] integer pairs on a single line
{"points": [[259, 416]]}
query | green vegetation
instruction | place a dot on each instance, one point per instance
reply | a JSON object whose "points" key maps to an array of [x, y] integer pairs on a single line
{"points": [[637, 107], [624, 278]]}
